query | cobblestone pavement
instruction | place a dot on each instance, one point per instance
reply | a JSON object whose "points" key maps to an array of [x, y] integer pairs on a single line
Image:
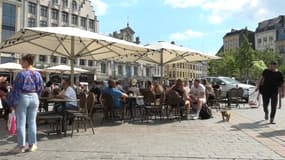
{"points": [[246, 136]]}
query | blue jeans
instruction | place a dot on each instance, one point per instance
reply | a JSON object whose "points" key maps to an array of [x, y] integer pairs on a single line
{"points": [[27, 109], [59, 107]]}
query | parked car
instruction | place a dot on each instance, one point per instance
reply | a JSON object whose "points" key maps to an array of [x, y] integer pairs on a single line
{"points": [[226, 83]]}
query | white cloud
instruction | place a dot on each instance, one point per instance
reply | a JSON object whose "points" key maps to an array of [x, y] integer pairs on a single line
{"points": [[100, 7], [184, 3], [215, 19], [220, 10], [128, 3], [181, 36]]}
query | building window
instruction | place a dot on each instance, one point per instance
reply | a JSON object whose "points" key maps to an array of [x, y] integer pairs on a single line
{"points": [[53, 59], [43, 23], [82, 62], [103, 68], [90, 63], [64, 3], [271, 40], [54, 2], [63, 60], [120, 69], [32, 8], [74, 5], [65, 17], [147, 72], [265, 39], [8, 20], [54, 14], [44, 11], [259, 40], [91, 23], [42, 58], [136, 71], [54, 25], [74, 19], [32, 22], [83, 22]]}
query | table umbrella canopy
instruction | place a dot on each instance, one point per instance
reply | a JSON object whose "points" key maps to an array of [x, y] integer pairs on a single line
{"points": [[64, 69], [163, 53], [69, 42], [10, 66]]}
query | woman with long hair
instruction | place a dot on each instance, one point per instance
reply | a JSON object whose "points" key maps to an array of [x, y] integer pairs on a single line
{"points": [[24, 99]]}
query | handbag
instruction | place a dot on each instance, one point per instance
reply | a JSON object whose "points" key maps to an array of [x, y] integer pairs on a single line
{"points": [[11, 124]]}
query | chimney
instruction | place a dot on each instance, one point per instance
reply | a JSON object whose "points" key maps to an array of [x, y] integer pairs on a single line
{"points": [[138, 40], [172, 42]]}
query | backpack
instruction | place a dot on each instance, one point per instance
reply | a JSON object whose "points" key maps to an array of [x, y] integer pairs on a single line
{"points": [[206, 112]]}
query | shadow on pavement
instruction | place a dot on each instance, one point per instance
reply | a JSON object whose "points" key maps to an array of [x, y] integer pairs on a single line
{"points": [[272, 133], [250, 125]]}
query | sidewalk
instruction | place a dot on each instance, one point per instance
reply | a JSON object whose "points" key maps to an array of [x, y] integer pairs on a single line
{"points": [[246, 136]]}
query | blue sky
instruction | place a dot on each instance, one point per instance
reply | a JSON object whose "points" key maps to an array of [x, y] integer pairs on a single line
{"points": [[196, 24]]}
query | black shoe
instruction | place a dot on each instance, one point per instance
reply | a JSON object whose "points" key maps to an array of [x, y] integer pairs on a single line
{"points": [[266, 117], [272, 122]]}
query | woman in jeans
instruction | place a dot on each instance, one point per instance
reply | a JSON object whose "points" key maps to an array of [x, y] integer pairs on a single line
{"points": [[24, 99]]}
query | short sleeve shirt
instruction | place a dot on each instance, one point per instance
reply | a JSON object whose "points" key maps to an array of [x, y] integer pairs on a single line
{"points": [[117, 94], [70, 94], [197, 91]]}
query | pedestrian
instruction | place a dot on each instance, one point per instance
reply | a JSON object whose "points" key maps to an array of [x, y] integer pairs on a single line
{"points": [[24, 99], [268, 86]]}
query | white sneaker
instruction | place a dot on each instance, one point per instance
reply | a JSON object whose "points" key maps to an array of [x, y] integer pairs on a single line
{"points": [[33, 148], [18, 149], [195, 117]]}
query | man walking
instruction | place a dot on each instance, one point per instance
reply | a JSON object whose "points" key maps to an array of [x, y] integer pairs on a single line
{"points": [[270, 81]]}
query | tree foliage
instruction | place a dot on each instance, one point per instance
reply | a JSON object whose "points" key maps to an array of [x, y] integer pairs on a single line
{"points": [[244, 63]]}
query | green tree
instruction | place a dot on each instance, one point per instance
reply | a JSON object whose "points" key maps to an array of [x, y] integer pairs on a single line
{"points": [[244, 59]]}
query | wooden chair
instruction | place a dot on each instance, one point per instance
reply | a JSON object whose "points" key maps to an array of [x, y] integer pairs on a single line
{"points": [[173, 102], [151, 107], [109, 109], [81, 115]]}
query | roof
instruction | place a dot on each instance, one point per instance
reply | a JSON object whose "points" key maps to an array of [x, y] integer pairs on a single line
{"points": [[274, 23]]}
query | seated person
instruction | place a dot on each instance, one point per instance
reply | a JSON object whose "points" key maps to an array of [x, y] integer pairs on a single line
{"points": [[67, 93], [157, 89], [210, 93], [198, 96], [185, 100], [116, 93], [96, 90], [135, 91]]}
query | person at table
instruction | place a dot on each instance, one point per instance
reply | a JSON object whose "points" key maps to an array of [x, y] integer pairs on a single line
{"points": [[67, 93], [117, 94], [198, 96], [185, 99], [135, 91], [24, 99], [148, 85], [96, 90], [157, 89]]}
